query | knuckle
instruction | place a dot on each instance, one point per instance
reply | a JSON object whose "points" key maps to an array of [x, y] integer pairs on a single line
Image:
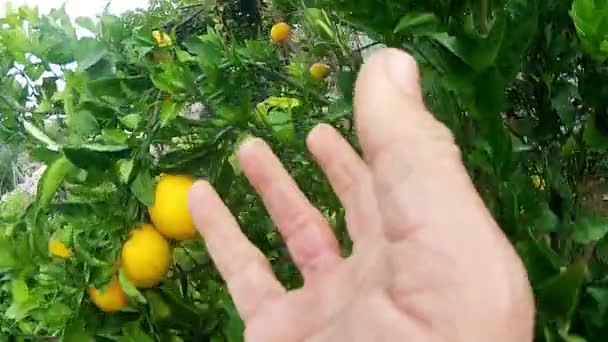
{"points": [[300, 219]]}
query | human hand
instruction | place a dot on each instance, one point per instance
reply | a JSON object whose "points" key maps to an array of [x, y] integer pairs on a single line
{"points": [[429, 263]]}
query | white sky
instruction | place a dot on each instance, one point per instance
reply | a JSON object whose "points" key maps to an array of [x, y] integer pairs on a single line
{"points": [[77, 8]]}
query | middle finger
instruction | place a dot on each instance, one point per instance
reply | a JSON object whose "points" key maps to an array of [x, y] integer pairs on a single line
{"points": [[308, 236]]}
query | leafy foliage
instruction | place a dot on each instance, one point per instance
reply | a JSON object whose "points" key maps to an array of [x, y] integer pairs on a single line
{"points": [[107, 109]]}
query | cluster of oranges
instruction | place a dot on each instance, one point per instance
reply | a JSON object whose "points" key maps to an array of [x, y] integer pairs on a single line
{"points": [[146, 255], [280, 34]]}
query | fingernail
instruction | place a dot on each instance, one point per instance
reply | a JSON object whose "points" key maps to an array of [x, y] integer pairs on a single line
{"points": [[402, 72]]}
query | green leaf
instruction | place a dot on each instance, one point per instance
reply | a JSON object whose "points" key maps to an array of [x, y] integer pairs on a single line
{"points": [[143, 187], [184, 56], [130, 289], [51, 179], [95, 156], [282, 126], [40, 136], [559, 294], [172, 79], [56, 314], [19, 290], [479, 53], [113, 136], [124, 168], [286, 103], [562, 102], [600, 295], [104, 148], [162, 82], [541, 261], [591, 22], [7, 257], [106, 86], [416, 23], [28, 13], [131, 121], [89, 51], [75, 331], [160, 310], [169, 111], [346, 83], [207, 48], [19, 310], [566, 337], [546, 221], [595, 140], [112, 28], [234, 327], [83, 123], [590, 229], [133, 333], [87, 23]]}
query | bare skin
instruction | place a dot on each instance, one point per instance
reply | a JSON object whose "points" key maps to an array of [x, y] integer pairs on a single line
{"points": [[429, 262]]}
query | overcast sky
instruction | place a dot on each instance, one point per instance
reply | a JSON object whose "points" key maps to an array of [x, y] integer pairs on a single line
{"points": [[77, 8]]}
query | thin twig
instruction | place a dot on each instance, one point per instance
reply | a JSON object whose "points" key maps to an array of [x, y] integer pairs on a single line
{"points": [[29, 81], [368, 46]]}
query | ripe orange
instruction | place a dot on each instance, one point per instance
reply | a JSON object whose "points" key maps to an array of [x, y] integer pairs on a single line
{"points": [[170, 213], [162, 39], [110, 300], [319, 71], [146, 257], [280, 32], [59, 249]]}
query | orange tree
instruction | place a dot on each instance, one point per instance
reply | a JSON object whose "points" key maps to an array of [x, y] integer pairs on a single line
{"points": [[121, 108]]}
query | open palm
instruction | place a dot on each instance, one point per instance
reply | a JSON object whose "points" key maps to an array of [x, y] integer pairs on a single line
{"points": [[429, 263]]}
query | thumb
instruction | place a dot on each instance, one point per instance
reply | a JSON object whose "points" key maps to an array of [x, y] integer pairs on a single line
{"points": [[389, 107], [417, 169]]}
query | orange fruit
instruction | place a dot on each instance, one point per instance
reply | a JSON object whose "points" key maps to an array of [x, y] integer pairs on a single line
{"points": [[59, 249], [319, 71], [162, 39], [146, 257], [280, 32], [112, 299], [170, 213]]}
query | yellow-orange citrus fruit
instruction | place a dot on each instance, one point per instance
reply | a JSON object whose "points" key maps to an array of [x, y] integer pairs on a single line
{"points": [[146, 257], [169, 213], [112, 299], [319, 71], [162, 39], [280, 32], [539, 182], [59, 249]]}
